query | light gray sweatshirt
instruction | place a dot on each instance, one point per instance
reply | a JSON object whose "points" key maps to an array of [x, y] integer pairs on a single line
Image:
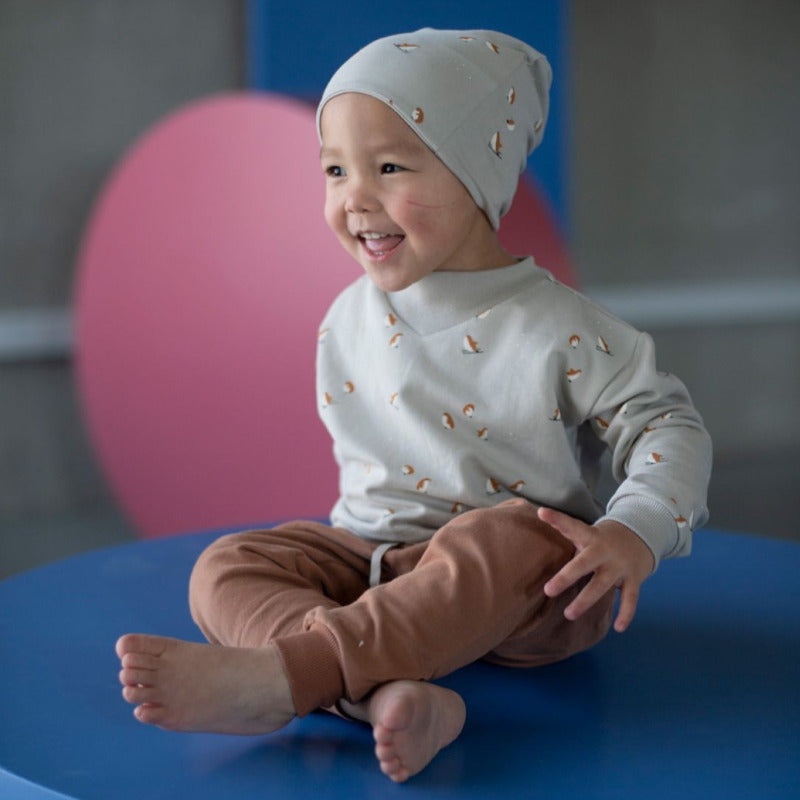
{"points": [[469, 388]]}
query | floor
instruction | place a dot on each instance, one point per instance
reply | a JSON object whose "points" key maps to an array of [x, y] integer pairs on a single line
{"points": [[754, 494], [698, 700]]}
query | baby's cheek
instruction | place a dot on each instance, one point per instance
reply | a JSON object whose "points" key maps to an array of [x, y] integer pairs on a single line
{"points": [[333, 216], [423, 221], [425, 203]]}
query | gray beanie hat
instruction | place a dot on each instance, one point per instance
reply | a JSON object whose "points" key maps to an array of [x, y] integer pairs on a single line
{"points": [[478, 99]]}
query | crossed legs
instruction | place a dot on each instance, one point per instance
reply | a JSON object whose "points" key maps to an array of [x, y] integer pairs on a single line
{"points": [[294, 626]]}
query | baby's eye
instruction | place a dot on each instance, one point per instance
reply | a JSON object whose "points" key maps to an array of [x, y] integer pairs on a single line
{"points": [[334, 171], [389, 169]]}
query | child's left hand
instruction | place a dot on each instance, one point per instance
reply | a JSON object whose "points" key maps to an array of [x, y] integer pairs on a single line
{"points": [[610, 550]]}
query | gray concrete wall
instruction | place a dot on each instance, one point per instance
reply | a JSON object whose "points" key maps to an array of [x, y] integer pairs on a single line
{"points": [[79, 82], [686, 178], [685, 134]]}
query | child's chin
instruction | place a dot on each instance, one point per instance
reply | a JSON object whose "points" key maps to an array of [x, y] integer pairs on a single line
{"points": [[389, 283]]}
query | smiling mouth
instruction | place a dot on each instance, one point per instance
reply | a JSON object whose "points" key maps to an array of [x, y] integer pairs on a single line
{"points": [[379, 245]]}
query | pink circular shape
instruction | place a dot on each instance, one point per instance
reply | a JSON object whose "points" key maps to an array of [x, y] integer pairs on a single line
{"points": [[204, 273], [530, 228]]}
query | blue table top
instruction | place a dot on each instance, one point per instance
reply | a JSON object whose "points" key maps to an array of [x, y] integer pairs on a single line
{"points": [[699, 699]]}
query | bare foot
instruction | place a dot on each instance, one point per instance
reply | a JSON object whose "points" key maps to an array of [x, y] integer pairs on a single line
{"points": [[411, 722], [184, 686]]}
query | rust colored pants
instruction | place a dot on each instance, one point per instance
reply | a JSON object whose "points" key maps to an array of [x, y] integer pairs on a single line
{"points": [[474, 590]]}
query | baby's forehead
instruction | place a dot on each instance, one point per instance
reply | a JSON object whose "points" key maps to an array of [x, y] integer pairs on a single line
{"points": [[373, 123]]}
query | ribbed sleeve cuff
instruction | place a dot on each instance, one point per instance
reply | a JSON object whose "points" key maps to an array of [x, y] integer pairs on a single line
{"points": [[652, 522]]}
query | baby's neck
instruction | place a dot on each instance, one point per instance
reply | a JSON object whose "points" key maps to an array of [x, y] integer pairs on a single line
{"points": [[485, 250]]}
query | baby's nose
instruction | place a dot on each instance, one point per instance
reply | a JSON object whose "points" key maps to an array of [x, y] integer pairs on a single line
{"points": [[361, 197]]}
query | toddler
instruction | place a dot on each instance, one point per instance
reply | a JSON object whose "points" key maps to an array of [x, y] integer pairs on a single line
{"points": [[470, 397]]}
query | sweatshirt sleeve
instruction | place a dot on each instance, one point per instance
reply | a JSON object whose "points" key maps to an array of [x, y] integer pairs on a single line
{"points": [[661, 453]]}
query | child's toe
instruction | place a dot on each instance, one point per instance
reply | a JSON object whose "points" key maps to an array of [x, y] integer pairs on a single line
{"points": [[140, 694], [141, 643], [136, 677], [150, 714], [140, 661]]}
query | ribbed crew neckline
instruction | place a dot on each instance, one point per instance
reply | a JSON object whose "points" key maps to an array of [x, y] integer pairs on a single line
{"points": [[442, 300]]}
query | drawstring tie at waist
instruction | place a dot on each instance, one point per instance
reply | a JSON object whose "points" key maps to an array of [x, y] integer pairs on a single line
{"points": [[376, 560]]}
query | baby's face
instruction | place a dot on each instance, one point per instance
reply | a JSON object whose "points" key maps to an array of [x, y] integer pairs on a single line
{"points": [[392, 203]]}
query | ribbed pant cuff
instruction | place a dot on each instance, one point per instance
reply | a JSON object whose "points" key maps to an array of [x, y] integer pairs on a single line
{"points": [[311, 663]]}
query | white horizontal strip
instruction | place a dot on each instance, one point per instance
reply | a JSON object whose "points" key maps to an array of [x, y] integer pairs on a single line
{"points": [[743, 303], [35, 334]]}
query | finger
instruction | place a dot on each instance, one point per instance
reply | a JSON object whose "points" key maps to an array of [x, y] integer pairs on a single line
{"points": [[597, 588], [581, 565], [577, 531], [629, 599]]}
